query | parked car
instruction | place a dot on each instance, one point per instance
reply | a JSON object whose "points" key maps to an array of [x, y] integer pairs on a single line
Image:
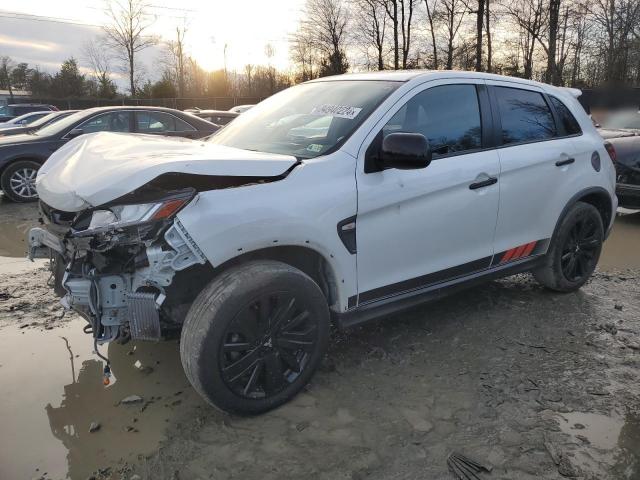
{"points": [[22, 120], [622, 132], [7, 112], [48, 119], [241, 108], [255, 240], [22, 155], [219, 117]]}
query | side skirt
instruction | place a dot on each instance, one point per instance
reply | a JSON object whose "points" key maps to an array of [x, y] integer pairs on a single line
{"points": [[388, 306]]}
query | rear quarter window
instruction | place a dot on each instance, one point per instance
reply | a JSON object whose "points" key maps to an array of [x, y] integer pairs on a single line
{"points": [[567, 120]]}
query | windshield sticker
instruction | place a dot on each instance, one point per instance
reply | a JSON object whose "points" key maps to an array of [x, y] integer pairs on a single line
{"points": [[340, 111], [314, 147]]}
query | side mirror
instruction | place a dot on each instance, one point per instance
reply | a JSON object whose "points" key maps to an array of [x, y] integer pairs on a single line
{"points": [[76, 132], [405, 151]]}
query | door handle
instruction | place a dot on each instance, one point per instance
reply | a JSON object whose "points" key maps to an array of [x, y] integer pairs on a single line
{"points": [[483, 183], [567, 161]]}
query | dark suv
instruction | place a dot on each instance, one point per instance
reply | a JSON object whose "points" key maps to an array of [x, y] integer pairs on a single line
{"points": [[8, 112]]}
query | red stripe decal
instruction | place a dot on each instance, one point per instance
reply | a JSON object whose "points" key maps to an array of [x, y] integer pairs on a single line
{"points": [[518, 252], [507, 256], [529, 249]]}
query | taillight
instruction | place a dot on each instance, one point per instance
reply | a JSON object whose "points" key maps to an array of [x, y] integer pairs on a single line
{"points": [[611, 151]]}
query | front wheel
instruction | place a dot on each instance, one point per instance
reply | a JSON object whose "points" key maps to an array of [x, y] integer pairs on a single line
{"points": [[574, 250], [18, 181], [254, 336]]}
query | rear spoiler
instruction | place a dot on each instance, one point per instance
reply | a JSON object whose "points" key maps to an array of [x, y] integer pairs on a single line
{"points": [[574, 92]]}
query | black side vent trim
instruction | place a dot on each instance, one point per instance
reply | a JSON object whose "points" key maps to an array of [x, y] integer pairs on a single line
{"points": [[347, 233]]}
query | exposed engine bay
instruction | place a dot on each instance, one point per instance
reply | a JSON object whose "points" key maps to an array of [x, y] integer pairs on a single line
{"points": [[112, 264]]}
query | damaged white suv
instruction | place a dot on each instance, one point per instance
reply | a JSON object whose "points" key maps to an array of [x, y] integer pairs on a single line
{"points": [[341, 199]]}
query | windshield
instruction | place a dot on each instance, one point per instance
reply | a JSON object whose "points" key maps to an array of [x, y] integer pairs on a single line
{"points": [[308, 120], [623, 120], [60, 125]]}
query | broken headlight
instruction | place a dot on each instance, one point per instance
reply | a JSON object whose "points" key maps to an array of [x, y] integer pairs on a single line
{"points": [[117, 217]]}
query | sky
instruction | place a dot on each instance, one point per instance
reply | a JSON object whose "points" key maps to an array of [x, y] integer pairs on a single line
{"points": [[244, 27]]}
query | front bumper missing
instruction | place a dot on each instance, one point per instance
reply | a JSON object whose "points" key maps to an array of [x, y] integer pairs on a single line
{"points": [[115, 301]]}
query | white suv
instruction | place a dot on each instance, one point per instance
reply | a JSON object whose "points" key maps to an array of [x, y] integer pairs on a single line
{"points": [[342, 199]]}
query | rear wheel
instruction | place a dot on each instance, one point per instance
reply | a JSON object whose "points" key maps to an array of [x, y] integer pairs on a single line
{"points": [[254, 337], [574, 251], [18, 181]]}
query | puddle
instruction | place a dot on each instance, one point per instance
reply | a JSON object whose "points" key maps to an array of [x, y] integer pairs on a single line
{"points": [[52, 390], [616, 438], [17, 219], [621, 248], [601, 431]]}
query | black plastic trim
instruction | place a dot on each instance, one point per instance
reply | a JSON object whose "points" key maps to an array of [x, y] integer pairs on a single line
{"points": [[348, 236], [388, 306], [576, 198], [423, 280]]}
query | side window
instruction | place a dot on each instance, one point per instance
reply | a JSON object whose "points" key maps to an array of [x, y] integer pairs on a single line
{"points": [[525, 116], [160, 122], [448, 116], [569, 122], [107, 122]]}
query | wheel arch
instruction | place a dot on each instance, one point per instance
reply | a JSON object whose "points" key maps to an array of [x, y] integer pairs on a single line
{"points": [[596, 196], [20, 158], [306, 259]]}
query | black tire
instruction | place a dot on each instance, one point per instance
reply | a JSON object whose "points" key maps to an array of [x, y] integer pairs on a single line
{"points": [[263, 315], [18, 181], [574, 250]]}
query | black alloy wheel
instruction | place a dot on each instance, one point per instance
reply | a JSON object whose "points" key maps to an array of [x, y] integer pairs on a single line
{"points": [[581, 249], [574, 249], [267, 345]]}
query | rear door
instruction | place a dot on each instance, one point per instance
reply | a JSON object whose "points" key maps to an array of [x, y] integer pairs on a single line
{"points": [[536, 163]]}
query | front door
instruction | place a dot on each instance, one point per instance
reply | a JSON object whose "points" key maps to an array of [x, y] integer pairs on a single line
{"points": [[418, 228]]}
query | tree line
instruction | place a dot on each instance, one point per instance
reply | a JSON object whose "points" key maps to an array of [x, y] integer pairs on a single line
{"points": [[582, 43], [585, 43]]}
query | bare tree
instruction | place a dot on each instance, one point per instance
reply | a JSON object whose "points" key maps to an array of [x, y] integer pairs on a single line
{"points": [[452, 14], [6, 68], [175, 59], [126, 33], [531, 18], [322, 36], [487, 26], [371, 22], [99, 60], [432, 12], [400, 12]]}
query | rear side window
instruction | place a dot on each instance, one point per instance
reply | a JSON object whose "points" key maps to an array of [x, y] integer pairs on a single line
{"points": [[160, 122], [448, 116], [525, 116], [567, 120]]}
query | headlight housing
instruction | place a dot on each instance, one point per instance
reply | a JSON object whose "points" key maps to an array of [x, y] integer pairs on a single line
{"points": [[117, 217]]}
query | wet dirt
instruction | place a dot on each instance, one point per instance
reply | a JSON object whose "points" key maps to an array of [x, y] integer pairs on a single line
{"points": [[506, 372]]}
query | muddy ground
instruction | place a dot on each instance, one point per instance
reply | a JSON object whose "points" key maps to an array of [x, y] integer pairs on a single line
{"points": [[539, 385]]}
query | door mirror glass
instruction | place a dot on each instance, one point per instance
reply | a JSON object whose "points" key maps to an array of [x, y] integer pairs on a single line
{"points": [[405, 151], [76, 132]]}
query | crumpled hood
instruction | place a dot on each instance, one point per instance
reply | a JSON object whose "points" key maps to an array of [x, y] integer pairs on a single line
{"points": [[96, 168]]}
